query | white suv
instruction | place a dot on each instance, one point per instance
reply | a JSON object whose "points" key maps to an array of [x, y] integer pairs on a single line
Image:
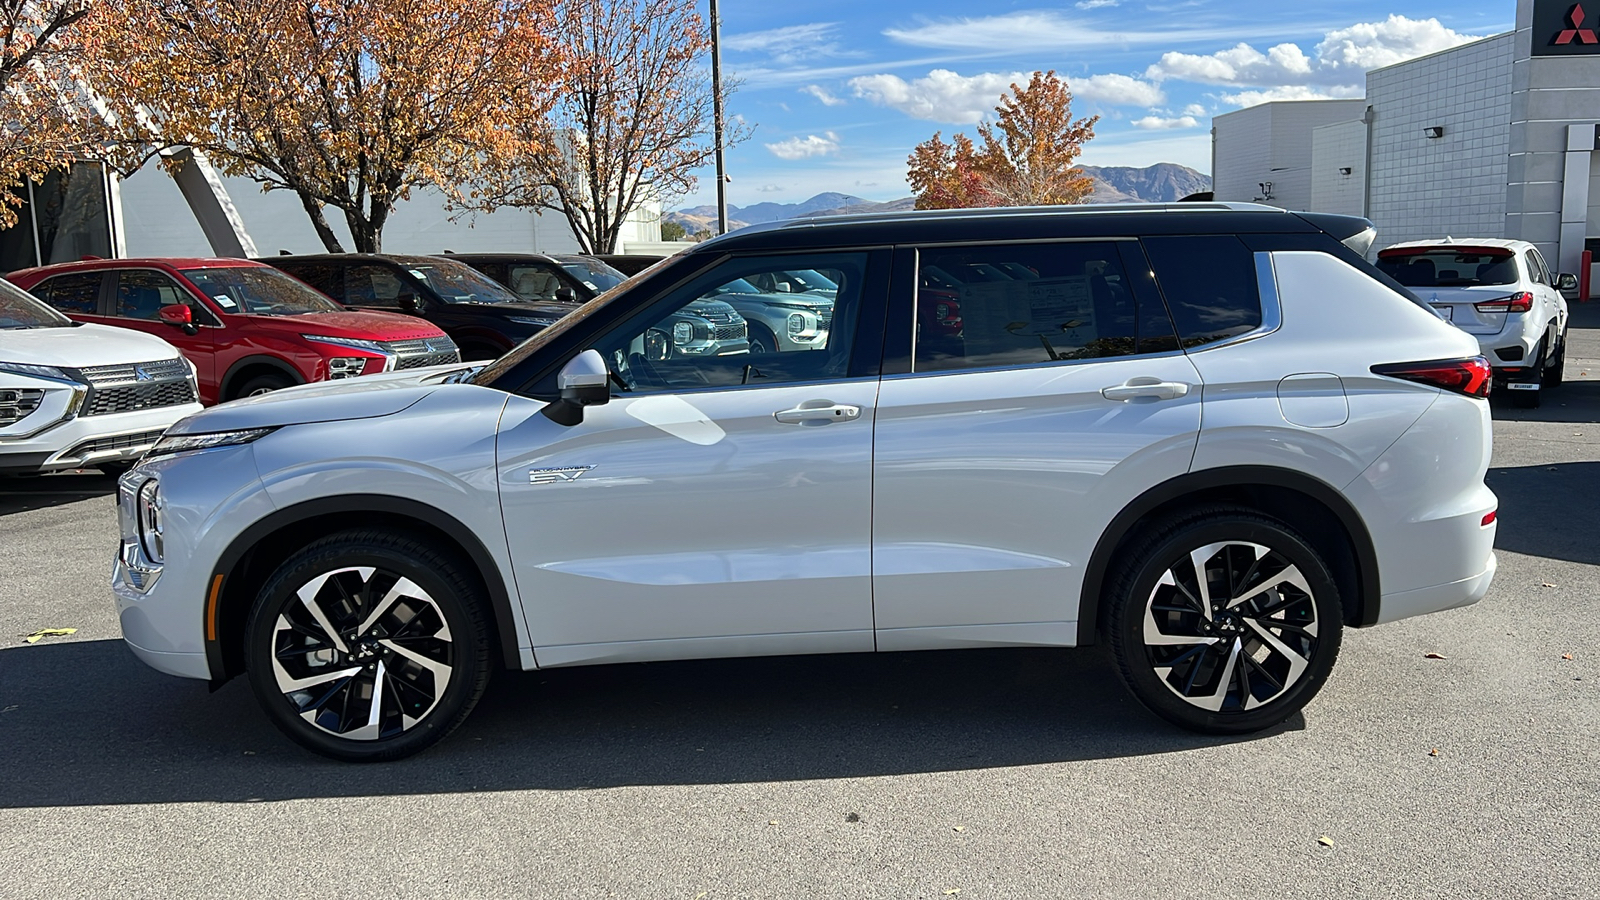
{"points": [[1211, 435], [1501, 293], [74, 395]]}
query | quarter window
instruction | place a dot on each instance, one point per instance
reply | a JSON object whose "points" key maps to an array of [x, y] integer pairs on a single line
{"points": [[1031, 304], [141, 294], [77, 294], [1210, 285]]}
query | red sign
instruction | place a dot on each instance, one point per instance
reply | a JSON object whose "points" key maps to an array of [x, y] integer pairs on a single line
{"points": [[1577, 31]]}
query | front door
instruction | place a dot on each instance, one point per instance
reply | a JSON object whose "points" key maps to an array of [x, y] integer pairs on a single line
{"points": [[720, 504], [1003, 455], [137, 296]]}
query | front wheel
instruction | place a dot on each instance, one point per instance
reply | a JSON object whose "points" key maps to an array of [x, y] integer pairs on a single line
{"points": [[1223, 621], [368, 646], [262, 384]]}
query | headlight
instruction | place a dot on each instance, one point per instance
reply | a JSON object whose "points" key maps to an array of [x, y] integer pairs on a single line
{"points": [[682, 333], [148, 509], [358, 343], [346, 366], [36, 371], [541, 321], [184, 443], [802, 325]]}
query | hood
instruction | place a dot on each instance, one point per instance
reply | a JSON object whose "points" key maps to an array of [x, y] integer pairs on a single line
{"points": [[544, 310], [83, 345], [804, 300], [361, 324], [367, 397]]}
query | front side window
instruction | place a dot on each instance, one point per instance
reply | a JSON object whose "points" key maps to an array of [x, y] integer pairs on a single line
{"points": [[1031, 304], [457, 283], [258, 291], [141, 294], [77, 294], [533, 282], [1536, 270], [721, 330], [1210, 285]]}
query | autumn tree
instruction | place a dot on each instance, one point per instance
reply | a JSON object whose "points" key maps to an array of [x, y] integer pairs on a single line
{"points": [[350, 105], [1026, 157], [633, 120], [49, 121]]}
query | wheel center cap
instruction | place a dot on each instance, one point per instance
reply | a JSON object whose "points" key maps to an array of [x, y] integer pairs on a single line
{"points": [[364, 650]]}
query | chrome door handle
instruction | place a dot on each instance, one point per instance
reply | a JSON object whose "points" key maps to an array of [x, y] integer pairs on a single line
{"points": [[818, 412], [1145, 388]]}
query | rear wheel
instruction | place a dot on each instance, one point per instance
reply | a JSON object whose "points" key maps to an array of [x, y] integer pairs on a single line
{"points": [[368, 646], [1223, 621], [1555, 373]]}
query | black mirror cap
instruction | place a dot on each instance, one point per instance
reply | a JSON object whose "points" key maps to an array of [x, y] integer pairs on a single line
{"points": [[566, 295], [1566, 281]]}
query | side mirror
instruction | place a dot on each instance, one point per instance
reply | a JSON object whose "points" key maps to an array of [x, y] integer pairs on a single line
{"points": [[783, 287], [583, 381], [408, 302], [566, 295], [179, 316], [1566, 281]]}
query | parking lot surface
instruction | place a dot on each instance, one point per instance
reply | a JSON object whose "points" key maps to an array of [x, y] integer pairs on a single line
{"points": [[1455, 755]]}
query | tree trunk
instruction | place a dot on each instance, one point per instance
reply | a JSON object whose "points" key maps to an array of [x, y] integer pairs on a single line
{"points": [[318, 222]]}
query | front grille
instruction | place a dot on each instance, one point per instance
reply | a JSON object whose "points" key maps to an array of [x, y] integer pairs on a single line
{"points": [[126, 387], [825, 320], [121, 442], [16, 404], [718, 316], [419, 352], [729, 332]]}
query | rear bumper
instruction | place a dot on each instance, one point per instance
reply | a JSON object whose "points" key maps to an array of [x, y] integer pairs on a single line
{"points": [[1439, 597]]}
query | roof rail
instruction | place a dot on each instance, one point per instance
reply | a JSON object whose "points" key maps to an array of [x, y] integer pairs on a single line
{"points": [[980, 212]]}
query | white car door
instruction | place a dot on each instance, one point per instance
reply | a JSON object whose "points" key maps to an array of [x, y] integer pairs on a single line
{"points": [[1003, 455], [721, 503]]}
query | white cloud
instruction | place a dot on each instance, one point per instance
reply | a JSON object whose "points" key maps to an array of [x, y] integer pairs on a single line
{"points": [[790, 44], [1236, 66], [1194, 109], [825, 144], [1368, 45], [1158, 123], [944, 96], [1047, 30], [817, 91], [1095, 4], [769, 189], [1294, 92]]}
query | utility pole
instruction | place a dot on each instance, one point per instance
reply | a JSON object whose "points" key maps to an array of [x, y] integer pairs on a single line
{"points": [[716, 116]]}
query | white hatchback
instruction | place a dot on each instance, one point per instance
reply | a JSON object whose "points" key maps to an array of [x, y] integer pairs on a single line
{"points": [[75, 395], [1501, 293]]}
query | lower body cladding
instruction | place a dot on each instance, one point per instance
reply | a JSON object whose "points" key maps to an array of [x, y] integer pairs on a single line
{"points": [[89, 441]]}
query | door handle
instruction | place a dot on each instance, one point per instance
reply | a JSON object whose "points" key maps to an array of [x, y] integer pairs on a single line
{"points": [[818, 412], [1145, 387]]}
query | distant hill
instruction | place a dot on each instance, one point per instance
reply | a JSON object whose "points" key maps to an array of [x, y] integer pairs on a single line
{"points": [[1160, 183]]}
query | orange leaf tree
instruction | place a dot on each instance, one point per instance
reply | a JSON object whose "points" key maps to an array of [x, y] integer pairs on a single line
{"points": [[632, 122], [350, 105], [1026, 158]]}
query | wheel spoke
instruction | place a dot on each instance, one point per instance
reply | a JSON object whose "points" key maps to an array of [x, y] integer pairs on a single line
{"points": [[308, 598], [440, 670], [402, 588], [1214, 701]]}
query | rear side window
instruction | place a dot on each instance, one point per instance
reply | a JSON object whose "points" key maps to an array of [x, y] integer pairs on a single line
{"points": [[1028, 304], [1449, 268], [79, 294], [1210, 285]]}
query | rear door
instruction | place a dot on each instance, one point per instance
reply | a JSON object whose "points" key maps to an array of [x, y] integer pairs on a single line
{"points": [[1004, 452]]}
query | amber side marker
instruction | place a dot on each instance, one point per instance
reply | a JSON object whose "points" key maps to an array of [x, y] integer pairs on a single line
{"points": [[211, 608]]}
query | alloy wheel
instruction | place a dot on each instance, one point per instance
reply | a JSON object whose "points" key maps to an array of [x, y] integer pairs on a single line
{"points": [[362, 653], [1231, 627]]}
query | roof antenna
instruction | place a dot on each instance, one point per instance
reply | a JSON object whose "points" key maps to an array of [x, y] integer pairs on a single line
{"points": [[284, 253]]}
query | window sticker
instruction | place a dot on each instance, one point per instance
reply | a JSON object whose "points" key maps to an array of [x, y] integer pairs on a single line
{"points": [[224, 301]]}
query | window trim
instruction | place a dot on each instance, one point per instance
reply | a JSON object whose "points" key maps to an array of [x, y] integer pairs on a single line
{"points": [[1271, 304]]}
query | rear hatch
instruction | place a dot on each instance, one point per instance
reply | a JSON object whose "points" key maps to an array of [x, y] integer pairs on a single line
{"points": [[1469, 286]]}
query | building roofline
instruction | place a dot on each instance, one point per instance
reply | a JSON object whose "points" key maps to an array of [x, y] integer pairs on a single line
{"points": [[1407, 62]]}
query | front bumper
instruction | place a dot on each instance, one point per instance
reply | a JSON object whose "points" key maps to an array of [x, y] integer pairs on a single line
{"points": [[87, 441]]}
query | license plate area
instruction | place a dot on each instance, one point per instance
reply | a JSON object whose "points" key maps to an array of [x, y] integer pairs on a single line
{"points": [[1447, 312]]}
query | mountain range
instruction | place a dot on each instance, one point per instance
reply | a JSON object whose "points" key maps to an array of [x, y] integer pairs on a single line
{"points": [[1160, 183]]}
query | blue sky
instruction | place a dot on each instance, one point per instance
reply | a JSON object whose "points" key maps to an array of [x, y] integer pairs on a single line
{"points": [[839, 91]]}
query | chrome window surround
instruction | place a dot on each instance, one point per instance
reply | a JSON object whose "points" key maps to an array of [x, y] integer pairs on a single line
{"points": [[1271, 306]]}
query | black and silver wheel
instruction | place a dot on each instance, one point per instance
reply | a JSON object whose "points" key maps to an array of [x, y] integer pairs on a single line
{"points": [[762, 340], [1224, 621], [368, 646], [263, 384], [1555, 372]]}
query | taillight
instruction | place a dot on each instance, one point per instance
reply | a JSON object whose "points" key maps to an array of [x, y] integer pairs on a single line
{"points": [[1464, 376], [1522, 301]]}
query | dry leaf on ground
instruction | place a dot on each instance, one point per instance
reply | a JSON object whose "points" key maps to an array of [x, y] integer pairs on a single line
{"points": [[1325, 841], [1434, 656], [48, 632]]}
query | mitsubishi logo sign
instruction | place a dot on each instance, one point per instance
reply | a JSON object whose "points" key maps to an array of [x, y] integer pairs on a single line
{"points": [[1565, 28], [1577, 31]]}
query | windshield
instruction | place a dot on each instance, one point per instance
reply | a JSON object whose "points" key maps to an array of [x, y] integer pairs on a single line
{"points": [[1450, 268], [812, 280], [457, 283], [738, 286], [259, 291], [18, 310], [595, 275]]}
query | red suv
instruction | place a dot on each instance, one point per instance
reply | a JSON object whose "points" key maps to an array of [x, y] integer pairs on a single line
{"points": [[247, 327]]}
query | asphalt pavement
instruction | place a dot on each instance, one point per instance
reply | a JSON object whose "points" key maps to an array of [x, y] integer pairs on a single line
{"points": [[1454, 755]]}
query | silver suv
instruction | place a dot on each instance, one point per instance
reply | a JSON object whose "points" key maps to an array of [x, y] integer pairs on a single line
{"points": [[1154, 429]]}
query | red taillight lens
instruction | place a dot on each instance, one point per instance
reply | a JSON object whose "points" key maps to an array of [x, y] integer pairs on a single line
{"points": [[1464, 376], [1522, 301]]}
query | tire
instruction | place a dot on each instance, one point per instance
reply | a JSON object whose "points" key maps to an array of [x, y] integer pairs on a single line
{"points": [[1218, 673], [262, 384], [761, 340], [116, 469], [481, 353], [1555, 373], [318, 689]]}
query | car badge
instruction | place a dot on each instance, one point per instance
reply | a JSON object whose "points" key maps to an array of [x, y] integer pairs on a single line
{"points": [[428, 346], [556, 476], [139, 374]]}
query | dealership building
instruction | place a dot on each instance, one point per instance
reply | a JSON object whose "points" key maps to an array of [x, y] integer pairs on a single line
{"points": [[1495, 138]]}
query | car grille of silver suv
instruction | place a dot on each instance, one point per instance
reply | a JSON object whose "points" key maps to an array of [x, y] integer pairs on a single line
{"points": [[731, 332], [126, 387], [414, 354], [15, 404]]}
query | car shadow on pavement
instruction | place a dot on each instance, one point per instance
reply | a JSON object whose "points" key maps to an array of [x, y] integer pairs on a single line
{"points": [[21, 493], [1574, 401], [1549, 510], [85, 723]]}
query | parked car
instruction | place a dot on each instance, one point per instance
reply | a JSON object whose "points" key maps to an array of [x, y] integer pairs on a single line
{"points": [[482, 317], [248, 328], [1501, 293], [539, 278], [74, 396], [629, 264], [779, 319], [1210, 435]]}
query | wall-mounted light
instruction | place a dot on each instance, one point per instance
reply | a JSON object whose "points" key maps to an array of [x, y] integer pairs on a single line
{"points": [[1344, 170], [1434, 131]]}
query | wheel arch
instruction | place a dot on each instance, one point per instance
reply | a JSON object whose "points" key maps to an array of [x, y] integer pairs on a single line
{"points": [[1314, 508], [249, 367], [257, 551]]}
